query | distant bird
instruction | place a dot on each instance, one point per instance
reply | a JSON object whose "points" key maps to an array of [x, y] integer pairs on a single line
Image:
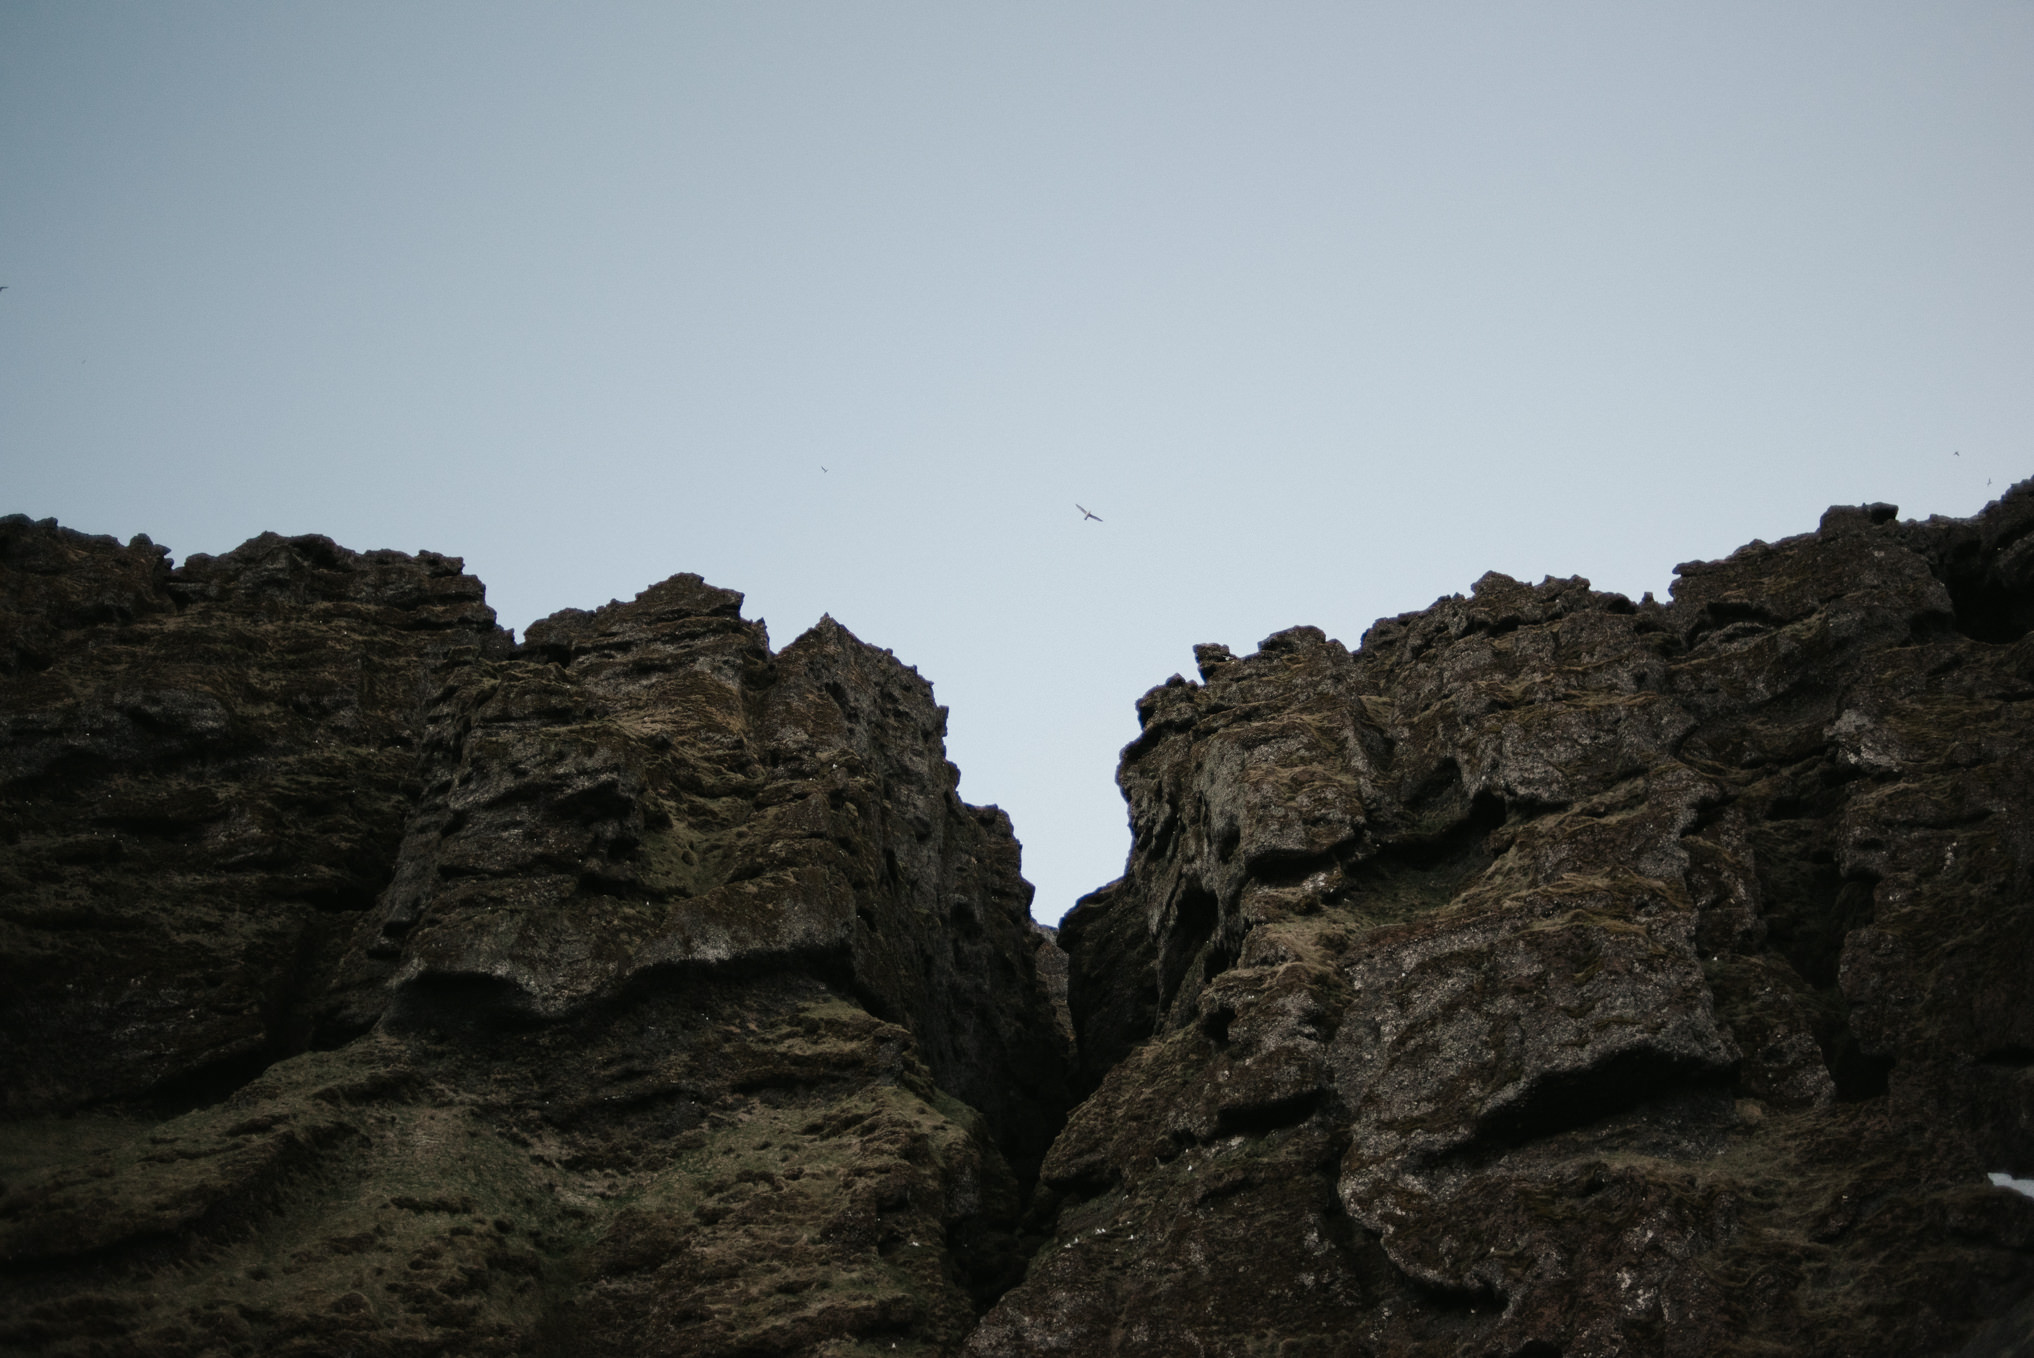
{"points": [[1085, 515], [822, 468], [1957, 453]]}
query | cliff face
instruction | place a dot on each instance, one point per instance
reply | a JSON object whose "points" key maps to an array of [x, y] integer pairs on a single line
{"points": [[1553, 975], [206, 773], [375, 986], [1559, 975]]}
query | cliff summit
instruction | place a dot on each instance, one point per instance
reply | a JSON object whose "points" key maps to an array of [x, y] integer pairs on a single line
{"points": [[1551, 976]]}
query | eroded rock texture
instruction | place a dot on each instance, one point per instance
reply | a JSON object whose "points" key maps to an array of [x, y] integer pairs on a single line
{"points": [[1553, 977], [371, 985], [1558, 975]]}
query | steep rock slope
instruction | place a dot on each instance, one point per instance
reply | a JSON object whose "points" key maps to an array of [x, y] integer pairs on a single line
{"points": [[376, 986], [1555, 975], [1558, 975], [206, 773]]}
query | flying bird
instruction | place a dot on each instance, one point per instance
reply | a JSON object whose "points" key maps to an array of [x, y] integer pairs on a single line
{"points": [[1085, 515]]}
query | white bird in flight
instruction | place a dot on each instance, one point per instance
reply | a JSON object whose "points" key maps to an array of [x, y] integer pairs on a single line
{"points": [[1085, 514]]}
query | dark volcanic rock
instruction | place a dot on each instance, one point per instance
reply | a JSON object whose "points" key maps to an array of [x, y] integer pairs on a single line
{"points": [[205, 776], [1560, 975], [1553, 977], [375, 986]]}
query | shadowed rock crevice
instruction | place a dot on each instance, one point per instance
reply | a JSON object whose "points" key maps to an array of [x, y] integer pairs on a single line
{"points": [[1569, 1101], [1192, 952], [1987, 566], [1991, 611], [1410, 877], [1260, 1118]]}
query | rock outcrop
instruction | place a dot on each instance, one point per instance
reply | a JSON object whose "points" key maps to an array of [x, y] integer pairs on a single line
{"points": [[1554, 976], [374, 985], [1558, 975]]}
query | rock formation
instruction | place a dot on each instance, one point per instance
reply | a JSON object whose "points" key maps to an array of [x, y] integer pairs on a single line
{"points": [[372, 985], [1554, 975], [1562, 975]]}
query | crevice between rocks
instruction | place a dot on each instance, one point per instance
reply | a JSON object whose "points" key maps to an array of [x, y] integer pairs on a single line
{"points": [[1566, 1102]]}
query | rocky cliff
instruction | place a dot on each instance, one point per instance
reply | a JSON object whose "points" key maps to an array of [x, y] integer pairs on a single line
{"points": [[369, 984], [1553, 975], [1558, 975]]}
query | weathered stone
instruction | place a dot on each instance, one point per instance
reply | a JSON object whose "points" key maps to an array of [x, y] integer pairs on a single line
{"points": [[393, 989], [1552, 975], [1635, 978]]}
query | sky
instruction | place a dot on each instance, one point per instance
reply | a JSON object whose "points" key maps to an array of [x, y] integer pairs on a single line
{"points": [[1323, 309]]}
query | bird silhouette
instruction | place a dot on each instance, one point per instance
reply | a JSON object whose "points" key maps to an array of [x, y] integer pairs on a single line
{"points": [[1085, 514]]}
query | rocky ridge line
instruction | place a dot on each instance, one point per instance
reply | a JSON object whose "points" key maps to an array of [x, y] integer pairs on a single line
{"points": [[374, 985], [1553, 976], [1558, 975]]}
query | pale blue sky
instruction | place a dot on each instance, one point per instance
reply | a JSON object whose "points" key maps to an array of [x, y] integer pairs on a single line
{"points": [[1325, 309]]}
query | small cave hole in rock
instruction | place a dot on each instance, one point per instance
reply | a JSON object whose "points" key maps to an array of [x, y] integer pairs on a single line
{"points": [[1858, 1074], [1230, 841], [961, 918], [1985, 607], [468, 1006], [1193, 926], [1263, 1118], [1991, 612], [1809, 905], [211, 1083], [1462, 1303], [1564, 1103], [1215, 1023]]}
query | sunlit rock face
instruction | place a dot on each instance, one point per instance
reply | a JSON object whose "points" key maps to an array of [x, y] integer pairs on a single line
{"points": [[1562, 975], [374, 985], [1554, 975]]}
